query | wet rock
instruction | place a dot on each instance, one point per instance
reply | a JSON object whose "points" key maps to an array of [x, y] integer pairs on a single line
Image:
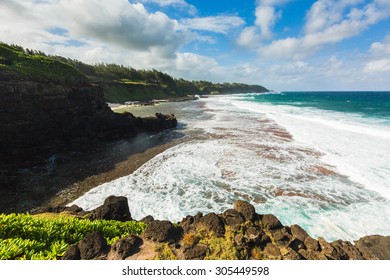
{"points": [[246, 209], [211, 222], [125, 247], [93, 246], [197, 252], [270, 222], [147, 220], [233, 218], [72, 253], [161, 231], [114, 208], [374, 247]]}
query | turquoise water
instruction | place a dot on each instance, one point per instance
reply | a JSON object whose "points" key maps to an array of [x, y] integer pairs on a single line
{"points": [[317, 159], [367, 104]]}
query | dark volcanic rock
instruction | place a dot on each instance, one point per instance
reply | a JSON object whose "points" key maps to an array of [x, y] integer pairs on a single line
{"points": [[161, 231], [125, 247], [72, 253], [93, 246], [298, 232], [147, 220], [256, 237], [269, 221], [233, 218], [213, 223], [374, 247], [246, 209], [186, 223], [114, 208], [197, 252], [60, 116]]}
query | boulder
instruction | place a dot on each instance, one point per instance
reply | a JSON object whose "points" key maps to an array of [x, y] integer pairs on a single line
{"points": [[254, 236], [246, 209], [312, 244], [161, 231], [270, 222], [374, 247], [147, 220], [125, 247], [233, 218], [72, 253], [93, 246], [114, 208], [346, 250], [282, 237], [186, 223], [271, 251], [211, 222], [298, 232], [197, 252]]}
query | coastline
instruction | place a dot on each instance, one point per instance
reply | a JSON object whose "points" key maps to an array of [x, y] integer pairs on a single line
{"points": [[68, 175]]}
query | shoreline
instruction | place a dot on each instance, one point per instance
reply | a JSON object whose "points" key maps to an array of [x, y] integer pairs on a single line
{"points": [[68, 175]]}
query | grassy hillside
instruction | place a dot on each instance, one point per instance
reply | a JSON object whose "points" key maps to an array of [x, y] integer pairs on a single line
{"points": [[120, 83], [35, 66]]}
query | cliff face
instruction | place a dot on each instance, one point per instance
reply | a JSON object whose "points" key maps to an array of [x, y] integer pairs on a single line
{"points": [[38, 118]]}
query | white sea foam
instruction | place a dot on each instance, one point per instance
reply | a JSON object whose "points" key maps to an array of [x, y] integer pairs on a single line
{"points": [[317, 180]]}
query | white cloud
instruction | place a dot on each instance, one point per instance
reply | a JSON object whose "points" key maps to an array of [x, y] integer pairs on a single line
{"points": [[266, 17], [379, 65], [328, 22], [249, 37], [218, 24], [380, 57]]}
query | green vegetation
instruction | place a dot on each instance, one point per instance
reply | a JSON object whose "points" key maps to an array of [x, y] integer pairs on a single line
{"points": [[37, 66], [119, 83], [23, 236]]}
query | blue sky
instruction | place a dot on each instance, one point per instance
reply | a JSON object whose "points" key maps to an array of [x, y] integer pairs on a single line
{"points": [[281, 44]]}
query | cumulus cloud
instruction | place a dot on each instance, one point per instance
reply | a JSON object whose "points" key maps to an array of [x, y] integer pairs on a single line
{"points": [[328, 22], [266, 17], [115, 22], [218, 24], [380, 57]]}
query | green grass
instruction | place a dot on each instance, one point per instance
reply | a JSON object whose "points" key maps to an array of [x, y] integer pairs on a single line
{"points": [[37, 67], [23, 236]]}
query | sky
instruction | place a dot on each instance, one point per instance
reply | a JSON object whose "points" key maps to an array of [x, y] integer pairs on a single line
{"points": [[284, 45]]}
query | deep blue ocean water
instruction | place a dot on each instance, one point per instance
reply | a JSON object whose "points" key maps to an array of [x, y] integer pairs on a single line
{"points": [[370, 104]]}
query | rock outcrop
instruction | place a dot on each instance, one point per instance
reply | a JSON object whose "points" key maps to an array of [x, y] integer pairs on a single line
{"points": [[238, 233], [40, 118]]}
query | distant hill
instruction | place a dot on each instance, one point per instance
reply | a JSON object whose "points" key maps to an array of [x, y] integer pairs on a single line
{"points": [[119, 83]]}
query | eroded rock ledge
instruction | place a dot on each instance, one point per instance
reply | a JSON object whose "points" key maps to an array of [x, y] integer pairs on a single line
{"points": [[41, 118], [238, 233]]}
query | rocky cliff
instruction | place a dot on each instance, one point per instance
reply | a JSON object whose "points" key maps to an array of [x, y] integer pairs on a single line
{"points": [[47, 106]]}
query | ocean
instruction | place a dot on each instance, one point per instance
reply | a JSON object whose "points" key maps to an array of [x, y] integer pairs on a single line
{"points": [[317, 159]]}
